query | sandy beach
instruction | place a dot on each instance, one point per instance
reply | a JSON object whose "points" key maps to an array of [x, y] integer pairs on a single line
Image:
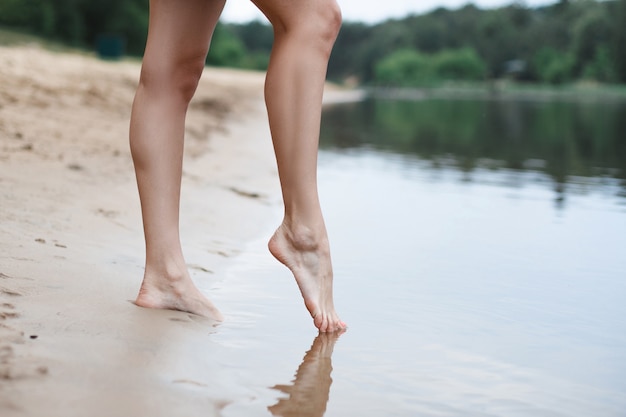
{"points": [[71, 246]]}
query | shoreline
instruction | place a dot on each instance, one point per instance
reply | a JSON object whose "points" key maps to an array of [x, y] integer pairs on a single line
{"points": [[500, 91], [72, 342]]}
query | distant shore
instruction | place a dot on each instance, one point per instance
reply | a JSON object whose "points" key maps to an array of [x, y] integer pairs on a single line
{"points": [[503, 89]]}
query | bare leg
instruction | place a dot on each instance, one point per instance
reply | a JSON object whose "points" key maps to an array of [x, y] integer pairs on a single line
{"points": [[304, 33], [178, 40]]}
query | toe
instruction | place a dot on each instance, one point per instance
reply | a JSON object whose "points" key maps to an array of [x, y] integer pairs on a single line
{"points": [[321, 322], [339, 325]]}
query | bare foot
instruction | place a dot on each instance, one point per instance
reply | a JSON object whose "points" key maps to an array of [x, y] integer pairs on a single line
{"points": [[175, 292], [309, 261]]}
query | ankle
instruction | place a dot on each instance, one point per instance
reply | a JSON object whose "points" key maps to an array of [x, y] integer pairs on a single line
{"points": [[303, 237], [171, 269]]}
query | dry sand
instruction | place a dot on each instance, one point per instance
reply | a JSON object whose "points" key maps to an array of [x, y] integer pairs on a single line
{"points": [[71, 245]]}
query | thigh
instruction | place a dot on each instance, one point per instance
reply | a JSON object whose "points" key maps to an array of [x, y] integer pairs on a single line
{"points": [[180, 30], [290, 14]]}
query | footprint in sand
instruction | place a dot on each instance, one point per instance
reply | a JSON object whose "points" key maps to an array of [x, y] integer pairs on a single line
{"points": [[9, 292], [177, 319], [243, 193], [199, 268], [8, 315], [8, 312], [190, 382]]}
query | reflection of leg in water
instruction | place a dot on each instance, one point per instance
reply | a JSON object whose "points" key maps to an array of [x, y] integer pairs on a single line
{"points": [[309, 393]]}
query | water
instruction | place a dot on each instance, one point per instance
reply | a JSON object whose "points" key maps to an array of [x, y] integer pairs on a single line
{"points": [[480, 256]]}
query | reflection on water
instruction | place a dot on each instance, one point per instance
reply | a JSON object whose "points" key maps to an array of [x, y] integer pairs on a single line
{"points": [[569, 141], [308, 394]]}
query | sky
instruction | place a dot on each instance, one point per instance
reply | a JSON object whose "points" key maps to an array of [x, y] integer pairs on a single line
{"points": [[371, 11]]}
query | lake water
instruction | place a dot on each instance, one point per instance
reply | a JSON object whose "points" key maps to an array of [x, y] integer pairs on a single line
{"points": [[480, 261]]}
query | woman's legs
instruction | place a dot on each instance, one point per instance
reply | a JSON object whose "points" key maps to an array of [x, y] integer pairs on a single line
{"points": [[178, 40], [304, 33]]}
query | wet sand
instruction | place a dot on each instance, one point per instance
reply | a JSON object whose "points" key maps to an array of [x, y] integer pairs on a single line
{"points": [[71, 245]]}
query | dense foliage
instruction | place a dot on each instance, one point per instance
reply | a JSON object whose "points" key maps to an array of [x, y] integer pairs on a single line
{"points": [[569, 40], [411, 68], [80, 22], [566, 41]]}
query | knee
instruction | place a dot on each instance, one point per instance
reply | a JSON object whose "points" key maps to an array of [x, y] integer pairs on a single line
{"points": [[317, 28], [177, 78], [330, 22]]}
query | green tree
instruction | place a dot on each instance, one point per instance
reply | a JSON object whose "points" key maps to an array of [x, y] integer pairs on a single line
{"points": [[601, 68], [429, 33], [19, 13], [459, 64], [618, 40], [257, 39], [498, 41], [256, 36], [383, 39], [405, 68], [347, 58], [226, 48], [552, 66], [590, 31]]}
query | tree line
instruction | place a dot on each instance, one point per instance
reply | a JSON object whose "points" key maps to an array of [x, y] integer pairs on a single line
{"points": [[563, 42], [79, 22]]}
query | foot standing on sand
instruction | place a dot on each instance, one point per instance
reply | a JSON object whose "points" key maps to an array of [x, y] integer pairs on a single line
{"points": [[179, 36]]}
